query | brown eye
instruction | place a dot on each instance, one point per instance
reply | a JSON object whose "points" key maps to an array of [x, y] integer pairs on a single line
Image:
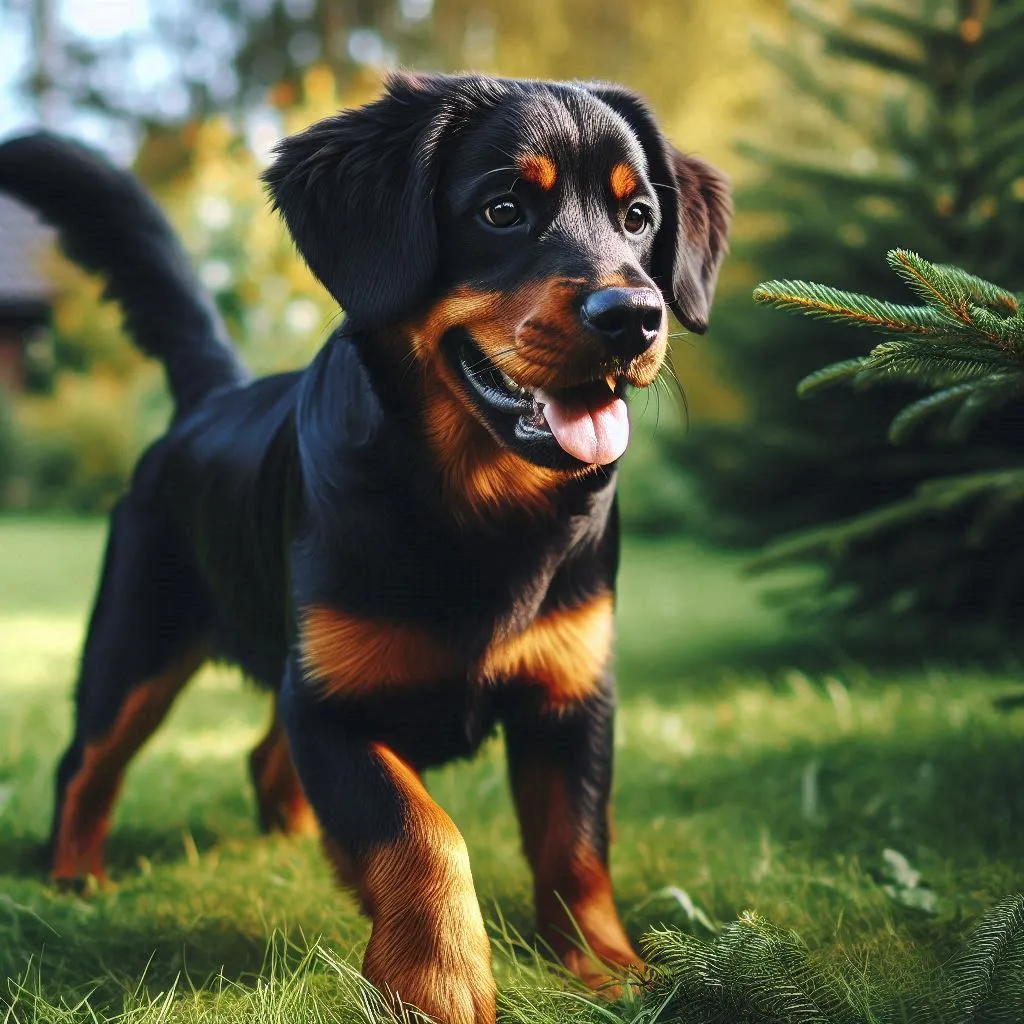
{"points": [[637, 218], [503, 213]]}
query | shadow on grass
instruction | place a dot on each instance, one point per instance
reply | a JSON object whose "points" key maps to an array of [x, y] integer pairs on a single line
{"points": [[962, 800], [718, 663], [28, 856]]}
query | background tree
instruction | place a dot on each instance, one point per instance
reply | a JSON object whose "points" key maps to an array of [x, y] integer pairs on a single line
{"points": [[899, 124]]}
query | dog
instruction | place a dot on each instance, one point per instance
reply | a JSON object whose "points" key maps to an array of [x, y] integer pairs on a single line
{"points": [[414, 539]]}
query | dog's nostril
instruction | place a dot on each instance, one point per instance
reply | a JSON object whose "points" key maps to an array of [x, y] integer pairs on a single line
{"points": [[651, 320], [629, 319], [612, 320]]}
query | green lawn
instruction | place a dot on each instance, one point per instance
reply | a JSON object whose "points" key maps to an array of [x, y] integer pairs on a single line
{"points": [[753, 772]]}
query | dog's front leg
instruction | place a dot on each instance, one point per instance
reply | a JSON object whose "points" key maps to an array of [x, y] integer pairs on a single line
{"points": [[560, 763], [404, 858]]}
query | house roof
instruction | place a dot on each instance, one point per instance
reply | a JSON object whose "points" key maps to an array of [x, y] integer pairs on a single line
{"points": [[22, 236]]}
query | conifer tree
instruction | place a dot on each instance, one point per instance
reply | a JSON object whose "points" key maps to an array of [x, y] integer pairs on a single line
{"points": [[901, 124], [952, 551]]}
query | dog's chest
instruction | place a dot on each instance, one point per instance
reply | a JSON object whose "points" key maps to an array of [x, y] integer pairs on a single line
{"points": [[560, 653], [427, 612]]}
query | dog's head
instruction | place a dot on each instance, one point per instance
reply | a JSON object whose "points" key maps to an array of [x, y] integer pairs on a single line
{"points": [[525, 239]]}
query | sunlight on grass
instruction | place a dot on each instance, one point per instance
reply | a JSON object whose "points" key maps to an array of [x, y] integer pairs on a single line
{"points": [[748, 777]]}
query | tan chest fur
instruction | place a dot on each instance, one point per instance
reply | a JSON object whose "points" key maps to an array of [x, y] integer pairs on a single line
{"points": [[563, 651]]}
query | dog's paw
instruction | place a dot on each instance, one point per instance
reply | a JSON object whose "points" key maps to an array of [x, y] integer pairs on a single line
{"points": [[445, 974], [446, 997], [82, 885], [608, 973]]}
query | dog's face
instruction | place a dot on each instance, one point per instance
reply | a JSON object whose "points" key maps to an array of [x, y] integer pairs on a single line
{"points": [[528, 238]]}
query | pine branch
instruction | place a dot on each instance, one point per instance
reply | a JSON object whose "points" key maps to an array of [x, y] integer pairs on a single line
{"points": [[912, 415], [989, 396], [935, 363], [803, 77], [833, 304], [967, 340], [753, 971], [910, 130], [993, 955], [758, 973], [932, 498], [840, 43], [914, 29], [822, 173], [829, 375], [983, 292]]}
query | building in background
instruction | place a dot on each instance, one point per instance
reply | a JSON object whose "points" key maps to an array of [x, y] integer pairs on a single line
{"points": [[25, 294]]}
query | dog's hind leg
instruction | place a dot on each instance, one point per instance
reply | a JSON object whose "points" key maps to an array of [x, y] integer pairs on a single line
{"points": [[148, 634], [280, 800]]}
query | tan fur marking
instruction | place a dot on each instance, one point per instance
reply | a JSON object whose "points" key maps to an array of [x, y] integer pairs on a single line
{"points": [[282, 803], [89, 796], [569, 873], [354, 655], [538, 169], [565, 652], [481, 476], [622, 181], [428, 946]]}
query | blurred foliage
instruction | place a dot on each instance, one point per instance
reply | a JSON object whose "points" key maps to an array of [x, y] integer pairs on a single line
{"points": [[8, 443], [886, 128], [191, 59]]}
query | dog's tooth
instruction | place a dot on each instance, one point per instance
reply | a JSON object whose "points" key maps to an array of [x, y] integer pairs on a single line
{"points": [[509, 382]]}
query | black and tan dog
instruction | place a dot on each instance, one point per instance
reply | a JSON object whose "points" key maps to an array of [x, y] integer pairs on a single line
{"points": [[415, 538]]}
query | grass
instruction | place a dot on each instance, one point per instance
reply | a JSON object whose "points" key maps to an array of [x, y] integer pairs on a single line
{"points": [[755, 770]]}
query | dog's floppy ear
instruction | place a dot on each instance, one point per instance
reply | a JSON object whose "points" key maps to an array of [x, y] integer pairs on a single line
{"points": [[696, 208], [356, 191]]}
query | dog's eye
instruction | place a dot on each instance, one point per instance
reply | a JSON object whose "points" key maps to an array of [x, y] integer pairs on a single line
{"points": [[637, 218], [503, 213]]}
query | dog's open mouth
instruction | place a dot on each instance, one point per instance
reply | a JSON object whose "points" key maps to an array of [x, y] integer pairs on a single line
{"points": [[559, 428]]}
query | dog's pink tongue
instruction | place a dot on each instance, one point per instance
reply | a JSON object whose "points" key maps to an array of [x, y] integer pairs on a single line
{"points": [[594, 430]]}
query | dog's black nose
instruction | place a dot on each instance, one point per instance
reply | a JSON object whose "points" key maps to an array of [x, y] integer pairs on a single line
{"points": [[629, 319]]}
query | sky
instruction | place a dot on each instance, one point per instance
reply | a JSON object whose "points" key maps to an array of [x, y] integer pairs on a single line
{"points": [[89, 19], [13, 52]]}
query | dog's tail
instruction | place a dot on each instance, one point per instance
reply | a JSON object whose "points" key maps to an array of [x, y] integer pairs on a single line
{"points": [[109, 225]]}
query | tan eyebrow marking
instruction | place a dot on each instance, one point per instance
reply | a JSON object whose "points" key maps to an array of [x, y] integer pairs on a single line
{"points": [[622, 180], [538, 169]]}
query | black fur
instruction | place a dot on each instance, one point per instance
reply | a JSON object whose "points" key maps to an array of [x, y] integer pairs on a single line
{"points": [[321, 488]]}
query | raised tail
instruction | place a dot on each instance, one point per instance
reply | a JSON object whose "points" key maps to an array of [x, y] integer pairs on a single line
{"points": [[109, 225]]}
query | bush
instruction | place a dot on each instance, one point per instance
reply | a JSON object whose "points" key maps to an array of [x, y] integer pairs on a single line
{"points": [[74, 450]]}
